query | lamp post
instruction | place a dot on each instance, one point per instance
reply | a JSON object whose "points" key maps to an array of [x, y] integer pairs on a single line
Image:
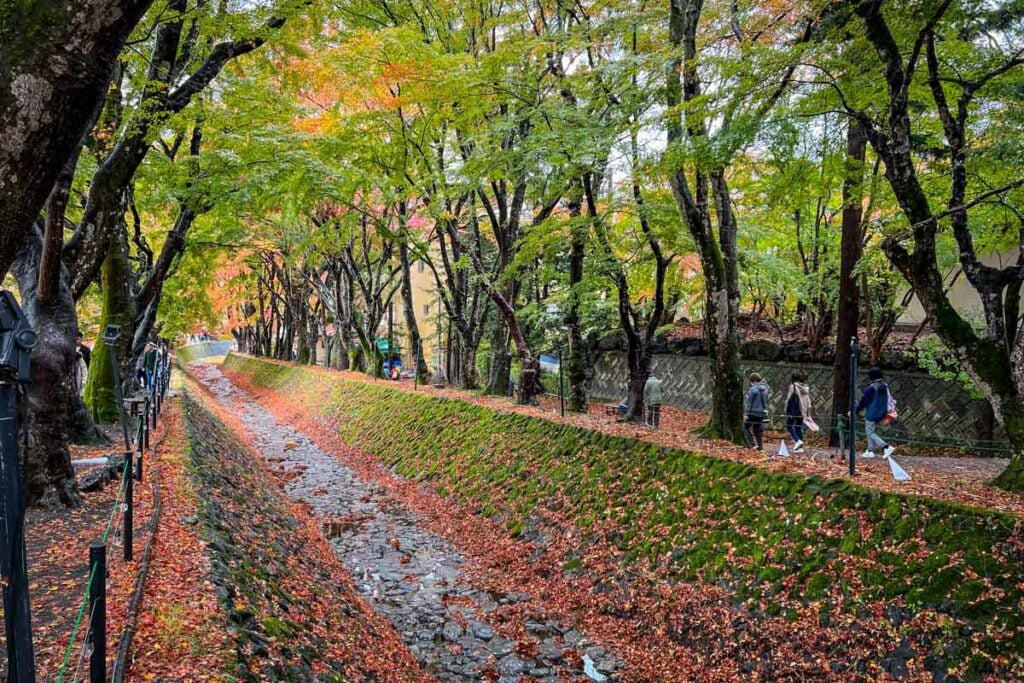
{"points": [[16, 343]]}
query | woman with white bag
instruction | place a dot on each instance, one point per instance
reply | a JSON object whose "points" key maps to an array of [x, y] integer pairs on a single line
{"points": [[798, 411]]}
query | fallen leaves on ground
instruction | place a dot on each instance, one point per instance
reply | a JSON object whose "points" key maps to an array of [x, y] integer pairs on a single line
{"points": [[57, 544], [182, 630]]}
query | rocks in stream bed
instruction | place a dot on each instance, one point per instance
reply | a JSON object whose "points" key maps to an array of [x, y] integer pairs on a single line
{"points": [[409, 575], [291, 616]]}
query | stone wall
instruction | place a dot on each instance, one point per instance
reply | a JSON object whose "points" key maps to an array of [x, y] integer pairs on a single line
{"points": [[930, 409]]}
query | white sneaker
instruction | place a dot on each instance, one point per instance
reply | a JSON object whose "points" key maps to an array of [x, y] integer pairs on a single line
{"points": [[868, 455], [798, 447], [889, 450]]}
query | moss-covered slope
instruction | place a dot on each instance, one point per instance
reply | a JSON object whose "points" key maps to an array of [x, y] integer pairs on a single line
{"points": [[785, 540]]}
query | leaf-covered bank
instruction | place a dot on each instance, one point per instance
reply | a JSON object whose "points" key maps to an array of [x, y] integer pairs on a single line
{"points": [[181, 633], [294, 613], [943, 578]]}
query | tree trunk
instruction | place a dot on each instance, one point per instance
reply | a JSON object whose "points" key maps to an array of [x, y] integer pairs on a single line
{"points": [[718, 253], [301, 324], [412, 328], [118, 309], [726, 420], [529, 379], [501, 360], [848, 306], [467, 364], [340, 356], [241, 339], [57, 61], [575, 359], [1012, 478], [638, 358], [52, 395]]}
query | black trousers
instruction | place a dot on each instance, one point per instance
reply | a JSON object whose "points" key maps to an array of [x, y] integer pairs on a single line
{"points": [[753, 427]]}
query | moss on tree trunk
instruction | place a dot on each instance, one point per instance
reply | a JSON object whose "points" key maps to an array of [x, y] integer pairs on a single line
{"points": [[1012, 478], [118, 309]]}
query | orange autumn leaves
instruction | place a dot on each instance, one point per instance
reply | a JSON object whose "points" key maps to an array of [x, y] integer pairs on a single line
{"points": [[369, 72]]}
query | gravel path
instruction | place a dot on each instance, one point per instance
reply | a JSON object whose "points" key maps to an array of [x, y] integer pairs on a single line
{"points": [[409, 575]]}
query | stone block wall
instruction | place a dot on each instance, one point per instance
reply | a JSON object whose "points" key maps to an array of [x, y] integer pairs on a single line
{"points": [[931, 410]]}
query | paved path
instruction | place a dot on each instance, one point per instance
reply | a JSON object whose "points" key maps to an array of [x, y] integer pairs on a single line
{"points": [[409, 575]]}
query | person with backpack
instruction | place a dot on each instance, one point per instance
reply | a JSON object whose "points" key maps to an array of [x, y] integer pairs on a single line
{"points": [[875, 404], [755, 407], [798, 409]]}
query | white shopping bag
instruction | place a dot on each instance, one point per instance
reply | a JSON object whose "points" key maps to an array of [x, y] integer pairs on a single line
{"points": [[898, 473]]}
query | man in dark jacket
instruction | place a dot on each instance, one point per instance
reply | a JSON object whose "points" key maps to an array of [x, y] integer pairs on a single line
{"points": [[149, 364], [874, 403], [755, 407], [83, 351]]}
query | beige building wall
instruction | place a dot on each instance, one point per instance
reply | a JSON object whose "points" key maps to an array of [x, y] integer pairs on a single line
{"points": [[425, 304], [962, 295]]}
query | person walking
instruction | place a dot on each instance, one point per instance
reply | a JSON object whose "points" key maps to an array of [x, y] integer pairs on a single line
{"points": [[149, 365], [798, 409], [652, 398], [755, 407], [874, 403], [83, 355]]}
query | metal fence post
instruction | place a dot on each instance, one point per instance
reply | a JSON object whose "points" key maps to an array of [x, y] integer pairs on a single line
{"points": [[145, 425], [17, 614], [141, 450], [98, 612], [853, 405], [561, 385], [129, 507]]}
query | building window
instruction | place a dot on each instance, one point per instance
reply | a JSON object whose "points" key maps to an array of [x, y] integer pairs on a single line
{"points": [[426, 309], [420, 266]]}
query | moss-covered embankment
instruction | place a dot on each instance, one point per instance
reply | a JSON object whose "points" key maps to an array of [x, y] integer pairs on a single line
{"points": [[294, 614], [190, 353], [948, 578]]}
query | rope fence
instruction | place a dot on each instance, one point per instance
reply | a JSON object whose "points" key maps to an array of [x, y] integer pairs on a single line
{"points": [[118, 532]]}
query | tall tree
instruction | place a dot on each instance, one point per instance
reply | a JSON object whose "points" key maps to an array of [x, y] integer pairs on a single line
{"points": [[713, 128], [848, 307], [183, 61], [963, 62]]}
